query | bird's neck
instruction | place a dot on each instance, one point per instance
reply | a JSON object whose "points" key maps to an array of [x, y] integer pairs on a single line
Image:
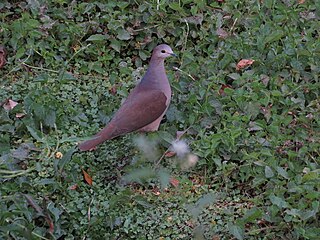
{"points": [[156, 69], [156, 63]]}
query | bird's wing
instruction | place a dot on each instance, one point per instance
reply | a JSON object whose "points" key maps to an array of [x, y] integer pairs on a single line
{"points": [[137, 111]]}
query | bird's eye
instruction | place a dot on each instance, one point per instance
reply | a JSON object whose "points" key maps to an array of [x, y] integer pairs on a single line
{"points": [[163, 51]]}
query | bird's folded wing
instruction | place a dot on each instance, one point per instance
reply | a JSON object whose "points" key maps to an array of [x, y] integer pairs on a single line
{"points": [[137, 112]]}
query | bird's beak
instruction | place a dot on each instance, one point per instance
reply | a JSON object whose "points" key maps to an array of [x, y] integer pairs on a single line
{"points": [[173, 54]]}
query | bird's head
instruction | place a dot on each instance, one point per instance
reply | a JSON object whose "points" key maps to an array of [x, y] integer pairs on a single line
{"points": [[163, 51]]}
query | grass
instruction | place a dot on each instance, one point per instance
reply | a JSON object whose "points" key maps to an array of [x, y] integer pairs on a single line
{"points": [[255, 129]]}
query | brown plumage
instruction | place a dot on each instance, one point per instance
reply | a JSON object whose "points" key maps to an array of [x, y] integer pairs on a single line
{"points": [[145, 106]]}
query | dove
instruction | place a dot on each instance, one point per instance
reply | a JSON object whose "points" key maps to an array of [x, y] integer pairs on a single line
{"points": [[144, 107]]}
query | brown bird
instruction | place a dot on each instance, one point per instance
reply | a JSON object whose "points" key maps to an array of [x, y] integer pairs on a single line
{"points": [[145, 106]]}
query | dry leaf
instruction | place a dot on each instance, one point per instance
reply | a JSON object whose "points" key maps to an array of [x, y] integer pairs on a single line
{"points": [[179, 134], [169, 154], [73, 187], [216, 237], [265, 79], [222, 33], [301, 1], [244, 63], [3, 55], [40, 211], [174, 182], [157, 193], [113, 90], [20, 115], [87, 177], [9, 104], [223, 86]]}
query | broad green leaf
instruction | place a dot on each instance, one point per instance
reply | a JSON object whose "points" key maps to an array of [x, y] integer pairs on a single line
{"points": [[236, 231], [283, 172], [164, 178], [274, 36], [35, 134], [66, 157], [268, 172], [97, 37], [116, 45], [278, 201], [252, 214], [66, 76], [311, 176], [139, 175], [123, 34]]}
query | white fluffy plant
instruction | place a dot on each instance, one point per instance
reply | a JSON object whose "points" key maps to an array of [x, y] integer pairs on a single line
{"points": [[186, 158]]}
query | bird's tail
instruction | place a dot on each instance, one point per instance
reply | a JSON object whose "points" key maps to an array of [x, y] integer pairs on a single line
{"points": [[99, 138]]}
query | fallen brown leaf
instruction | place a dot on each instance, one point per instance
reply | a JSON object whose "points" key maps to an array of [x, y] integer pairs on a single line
{"points": [[174, 182], [222, 88], [9, 104], [244, 63], [113, 90], [87, 177], [40, 211], [222, 33], [73, 187], [169, 154], [20, 115], [3, 55]]}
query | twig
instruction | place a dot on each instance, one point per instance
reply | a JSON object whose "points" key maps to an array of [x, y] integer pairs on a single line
{"points": [[186, 37], [260, 229], [89, 211], [234, 23], [39, 68], [13, 174], [162, 156], [178, 69], [146, 28], [77, 52]]}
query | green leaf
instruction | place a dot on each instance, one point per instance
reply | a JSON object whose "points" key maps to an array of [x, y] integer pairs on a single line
{"points": [[42, 78], [66, 76], [236, 231], [274, 36], [268, 172], [67, 157], [50, 118], [164, 178], [311, 176], [97, 37], [252, 214], [175, 6], [116, 45], [123, 34], [139, 175], [234, 76], [278, 201], [282, 172], [35, 134], [144, 204], [55, 211]]}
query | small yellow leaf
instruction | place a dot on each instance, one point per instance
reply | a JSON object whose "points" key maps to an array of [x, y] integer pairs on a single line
{"points": [[58, 155]]}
